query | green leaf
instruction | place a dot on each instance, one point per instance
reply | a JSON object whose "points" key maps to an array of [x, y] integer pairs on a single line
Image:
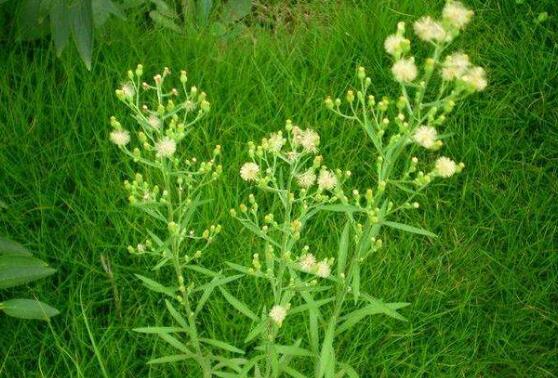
{"points": [[160, 330], [103, 9], [222, 345], [209, 287], [292, 350], [28, 309], [243, 269], [347, 370], [256, 331], [204, 8], [343, 249], [173, 341], [376, 307], [202, 270], [60, 25], [168, 359], [292, 372], [20, 269], [258, 232], [235, 10], [9, 247], [326, 365], [176, 315], [82, 29], [164, 21], [156, 286], [411, 229], [311, 305], [241, 307], [340, 208]]}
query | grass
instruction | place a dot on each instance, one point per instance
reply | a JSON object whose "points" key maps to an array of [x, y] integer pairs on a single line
{"points": [[484, 294]]}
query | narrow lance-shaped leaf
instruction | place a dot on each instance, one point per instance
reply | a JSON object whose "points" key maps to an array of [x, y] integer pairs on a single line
{"points": [[82, 29], [411, 229]]}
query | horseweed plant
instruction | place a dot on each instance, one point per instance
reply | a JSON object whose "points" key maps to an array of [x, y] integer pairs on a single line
{"points": [[287, 166], [169, 189]]}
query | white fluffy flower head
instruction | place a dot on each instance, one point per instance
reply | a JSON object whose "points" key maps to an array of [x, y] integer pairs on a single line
{"points": [[445, 167], [326, 180], [278, 314], [308, 139], [276, 142], [395, 44], [404, 70], [455, 66], [307, 262], [475, 77], [120, 137], [425, 136], [323, 269], [166, 147], [249, 171], [128, 90], [154, 121], [456, 14], [429, 30], [306, 179]]}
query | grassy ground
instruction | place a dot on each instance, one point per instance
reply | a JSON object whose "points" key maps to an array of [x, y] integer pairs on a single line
{"points": [[484, 294]]}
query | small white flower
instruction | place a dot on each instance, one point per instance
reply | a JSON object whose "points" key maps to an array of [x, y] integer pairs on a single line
{"points": [[307, 262], [323, 269], [249, 171], [404, 70], [120, 137], [425, 136], [128, 90], [278, 313], [429, 30], [445, 167], [456, 14], [476, 78], [308, 139], [394, 44], [154, 121], [327, 180], [455, 66], [276, 142], [166, 147], [306, 179]]}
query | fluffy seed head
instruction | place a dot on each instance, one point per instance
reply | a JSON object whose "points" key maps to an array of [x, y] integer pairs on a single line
{"points": [[249, 171], [404, 70], [455, 66], [445, 167], [425, 136], [323, 269], [166, 147], [394, 44], [326, 180], [456, 14], [278, 314], [306, 179], [308, 139], [276, 142], [128, 90], [429, 30], [307, 262], [154, 121], [120, 137], [476, 78]]}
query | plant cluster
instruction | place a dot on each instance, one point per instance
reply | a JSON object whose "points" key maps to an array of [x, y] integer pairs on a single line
{"points": [[292, 184]]}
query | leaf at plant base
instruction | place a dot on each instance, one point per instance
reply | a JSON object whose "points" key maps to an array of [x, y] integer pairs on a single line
{"points": [[20, 269], [82, 29], [222, 345], [60, 25], [164, 21], [28, 309], [234, 10], [168, 359], [156, 286], [9, 247], [411, 229], [103, 9]]}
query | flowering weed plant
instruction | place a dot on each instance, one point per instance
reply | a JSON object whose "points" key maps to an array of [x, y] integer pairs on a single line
{"points": [[168, 188]]}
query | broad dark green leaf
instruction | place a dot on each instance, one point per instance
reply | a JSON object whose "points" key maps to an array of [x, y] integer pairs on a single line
{"points": [[9, 247], [60, 25], [28, 309], [20, 269], [234, 10], [82, 29]]}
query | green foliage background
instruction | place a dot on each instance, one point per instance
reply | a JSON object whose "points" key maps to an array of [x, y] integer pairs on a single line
{"points": [[484, 294]]}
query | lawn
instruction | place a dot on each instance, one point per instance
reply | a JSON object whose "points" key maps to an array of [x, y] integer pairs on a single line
{"points": [[484, 294]]}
